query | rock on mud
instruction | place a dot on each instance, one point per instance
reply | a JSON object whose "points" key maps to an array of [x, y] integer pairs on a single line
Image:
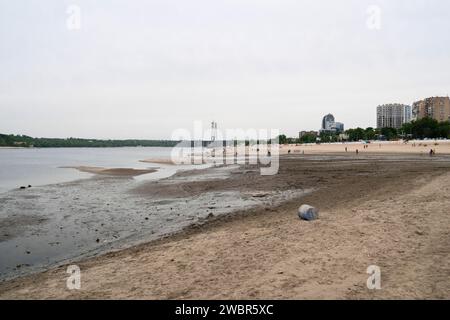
{"points": [[308, 213]]}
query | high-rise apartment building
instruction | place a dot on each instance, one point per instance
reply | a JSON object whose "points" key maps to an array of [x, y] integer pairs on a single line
{"points": [[437, 108], [393, 115]]}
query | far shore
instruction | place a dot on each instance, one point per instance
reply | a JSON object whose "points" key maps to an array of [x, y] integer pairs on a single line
{"points": [[158, 161], [374, 147]]}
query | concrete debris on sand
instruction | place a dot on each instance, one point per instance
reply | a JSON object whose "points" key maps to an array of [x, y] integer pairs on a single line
{"points": [[308, 213]]}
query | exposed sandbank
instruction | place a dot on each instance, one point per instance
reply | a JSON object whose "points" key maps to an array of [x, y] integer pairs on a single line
{"points": [[113, 171]]}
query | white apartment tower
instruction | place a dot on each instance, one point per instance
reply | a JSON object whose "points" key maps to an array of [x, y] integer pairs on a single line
{"points": [[393, 115]]}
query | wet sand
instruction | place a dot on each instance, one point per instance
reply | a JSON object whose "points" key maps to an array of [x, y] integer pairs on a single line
{"points": [[41, 227], [113, 171], [385, 210], [158, 161]]}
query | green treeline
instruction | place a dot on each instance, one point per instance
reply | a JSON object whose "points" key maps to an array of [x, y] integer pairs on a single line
{"points": [[26, 141], [417, 129]]}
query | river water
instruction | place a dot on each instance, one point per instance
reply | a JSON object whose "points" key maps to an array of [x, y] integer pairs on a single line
{"points": [[37, 167]]}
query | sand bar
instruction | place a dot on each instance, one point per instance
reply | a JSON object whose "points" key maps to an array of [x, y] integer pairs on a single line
{"points": [[113, 171]]}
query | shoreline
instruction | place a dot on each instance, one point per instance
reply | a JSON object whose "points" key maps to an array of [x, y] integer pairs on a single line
{"points": [[106, 229], [193, 253], [112, 171], [414, 147]]}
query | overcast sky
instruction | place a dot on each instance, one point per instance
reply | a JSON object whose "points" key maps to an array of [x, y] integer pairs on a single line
{"points": [[141, 69]]}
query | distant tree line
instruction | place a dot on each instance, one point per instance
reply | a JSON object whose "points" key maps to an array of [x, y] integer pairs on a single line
{"points": [[26, 141], [426, 128], [417, 129]]}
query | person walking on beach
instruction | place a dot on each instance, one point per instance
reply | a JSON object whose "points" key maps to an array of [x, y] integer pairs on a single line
{"points": [[357, 151]]}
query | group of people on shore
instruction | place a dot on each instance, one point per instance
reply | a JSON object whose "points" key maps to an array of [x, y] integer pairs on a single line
{"points": [[357, 150]]}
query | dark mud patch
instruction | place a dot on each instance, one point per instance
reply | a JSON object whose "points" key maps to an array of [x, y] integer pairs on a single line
{"points": [[16, 224]]}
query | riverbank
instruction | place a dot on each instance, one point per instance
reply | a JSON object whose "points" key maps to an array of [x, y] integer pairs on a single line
{"points": [[43, 226], [413, 147], [388, 210]]}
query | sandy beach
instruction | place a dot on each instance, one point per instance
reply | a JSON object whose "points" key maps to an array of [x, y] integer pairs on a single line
{"points": [[420, 147], [389, 210]]}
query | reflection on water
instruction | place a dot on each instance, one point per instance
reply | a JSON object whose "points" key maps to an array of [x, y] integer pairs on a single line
{"points": [[23, 167]]}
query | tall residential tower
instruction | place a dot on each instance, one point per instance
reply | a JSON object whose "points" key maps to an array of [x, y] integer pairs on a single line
{"points": [[437, 108], [393, 115]]}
